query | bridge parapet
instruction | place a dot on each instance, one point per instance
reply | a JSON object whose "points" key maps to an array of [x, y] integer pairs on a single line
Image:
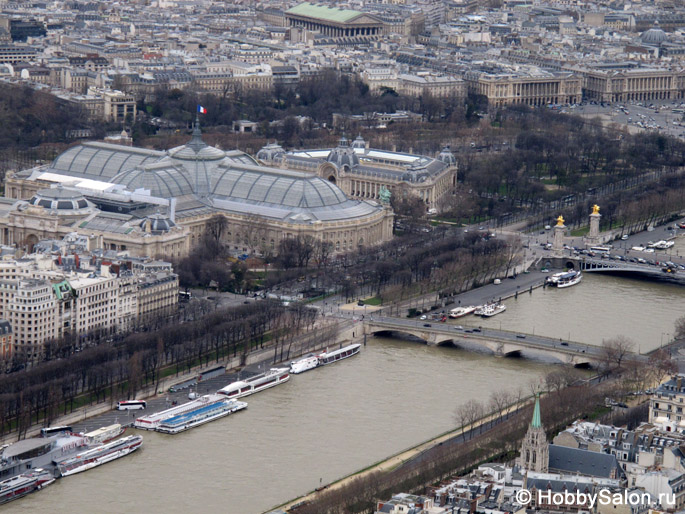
{"points": [[498, 342]]}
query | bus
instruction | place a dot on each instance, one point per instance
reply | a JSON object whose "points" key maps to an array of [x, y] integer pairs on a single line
{"points": [[184, 296], [600, 249], [131, 405], [48, 431]]}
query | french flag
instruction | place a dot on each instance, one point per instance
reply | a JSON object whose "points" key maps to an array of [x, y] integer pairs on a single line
{"points": [[201, 109]]}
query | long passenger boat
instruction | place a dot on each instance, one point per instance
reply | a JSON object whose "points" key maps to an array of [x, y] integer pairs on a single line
{"points": [[105, 434], [152, 421], [100, 455], [197, 417], [256, 383], [26, 483], [337, 355]]}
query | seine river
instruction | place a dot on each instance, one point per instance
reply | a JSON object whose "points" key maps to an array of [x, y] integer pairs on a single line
{"points": [[599, 308], [330, 422]]}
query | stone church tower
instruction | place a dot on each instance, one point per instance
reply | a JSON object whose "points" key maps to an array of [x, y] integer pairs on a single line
{"points": [[535, 450]]}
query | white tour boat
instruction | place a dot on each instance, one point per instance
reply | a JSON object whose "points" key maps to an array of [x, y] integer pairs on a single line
{"points": [[491, 309], [304, 364], [565, 279], [256, 383], [337, 355], [463, 311]]}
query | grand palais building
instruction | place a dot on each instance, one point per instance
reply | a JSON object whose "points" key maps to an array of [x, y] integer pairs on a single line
{"points": [[160, 203]]}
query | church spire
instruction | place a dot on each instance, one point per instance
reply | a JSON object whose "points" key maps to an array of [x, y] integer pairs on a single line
{"points": [[534, 448], [536, 421]]}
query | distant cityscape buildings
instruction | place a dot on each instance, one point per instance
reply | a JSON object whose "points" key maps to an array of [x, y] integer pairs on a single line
{"points": [[104, 57]]}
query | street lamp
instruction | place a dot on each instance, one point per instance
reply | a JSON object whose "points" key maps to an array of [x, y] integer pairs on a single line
{"points": [[662, 338]]}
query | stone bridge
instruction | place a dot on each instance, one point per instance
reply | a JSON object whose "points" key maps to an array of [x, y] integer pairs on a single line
{"points": [[498, 342], [625, 268]]}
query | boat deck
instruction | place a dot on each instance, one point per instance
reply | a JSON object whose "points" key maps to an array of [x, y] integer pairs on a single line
{"points": [[185, 417]]}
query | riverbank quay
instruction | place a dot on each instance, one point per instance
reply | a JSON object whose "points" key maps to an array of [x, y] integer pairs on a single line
{"points": [[156, 395], [405, 456], [498, 437], [524, 283]]}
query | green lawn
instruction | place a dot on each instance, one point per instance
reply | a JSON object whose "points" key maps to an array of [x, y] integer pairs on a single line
{"points": [[375, 300], [580, 231]]}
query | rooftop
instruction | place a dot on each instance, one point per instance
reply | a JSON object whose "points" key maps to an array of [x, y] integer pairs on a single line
{"points": [[323, 12]]}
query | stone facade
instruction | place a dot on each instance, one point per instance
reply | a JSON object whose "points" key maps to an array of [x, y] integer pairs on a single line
{"points": [[534, 449], [122, 204], [363, 172]]}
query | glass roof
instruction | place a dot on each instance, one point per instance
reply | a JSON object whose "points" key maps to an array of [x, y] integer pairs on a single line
{"points": [[164, 182], [275, 188], [102, 160], [231, 181]]}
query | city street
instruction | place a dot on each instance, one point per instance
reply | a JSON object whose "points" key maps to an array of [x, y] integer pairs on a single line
{"points": [[660, 117]]}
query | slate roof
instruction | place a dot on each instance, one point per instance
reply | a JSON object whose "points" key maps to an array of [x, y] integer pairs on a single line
{"points": [[584, 462]]}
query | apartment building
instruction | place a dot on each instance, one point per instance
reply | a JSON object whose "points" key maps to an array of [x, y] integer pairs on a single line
{"points": [[31, 309], [668, 401], [95, 305], [119, 107], [157, 294], [42, 304], [6, 340], [13, 54]]}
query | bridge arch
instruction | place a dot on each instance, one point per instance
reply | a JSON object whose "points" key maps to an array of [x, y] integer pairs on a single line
{"points": [[402, 334]]}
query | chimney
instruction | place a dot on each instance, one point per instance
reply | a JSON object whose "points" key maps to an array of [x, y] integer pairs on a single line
{"points": [[678, 382]]}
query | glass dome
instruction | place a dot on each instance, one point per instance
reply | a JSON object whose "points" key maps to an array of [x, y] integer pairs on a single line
{"points": [[60, 199]]}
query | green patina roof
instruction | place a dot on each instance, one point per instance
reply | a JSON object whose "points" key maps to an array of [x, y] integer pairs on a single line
{"points": [[63, 287], [537, 421], [323, 12]]}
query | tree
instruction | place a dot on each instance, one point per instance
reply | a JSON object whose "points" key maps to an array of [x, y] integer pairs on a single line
{"points": [[322, 252], [615, 350], [499, 401], [679, 333], [467, 414], [661, 365], [216, 227]]}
